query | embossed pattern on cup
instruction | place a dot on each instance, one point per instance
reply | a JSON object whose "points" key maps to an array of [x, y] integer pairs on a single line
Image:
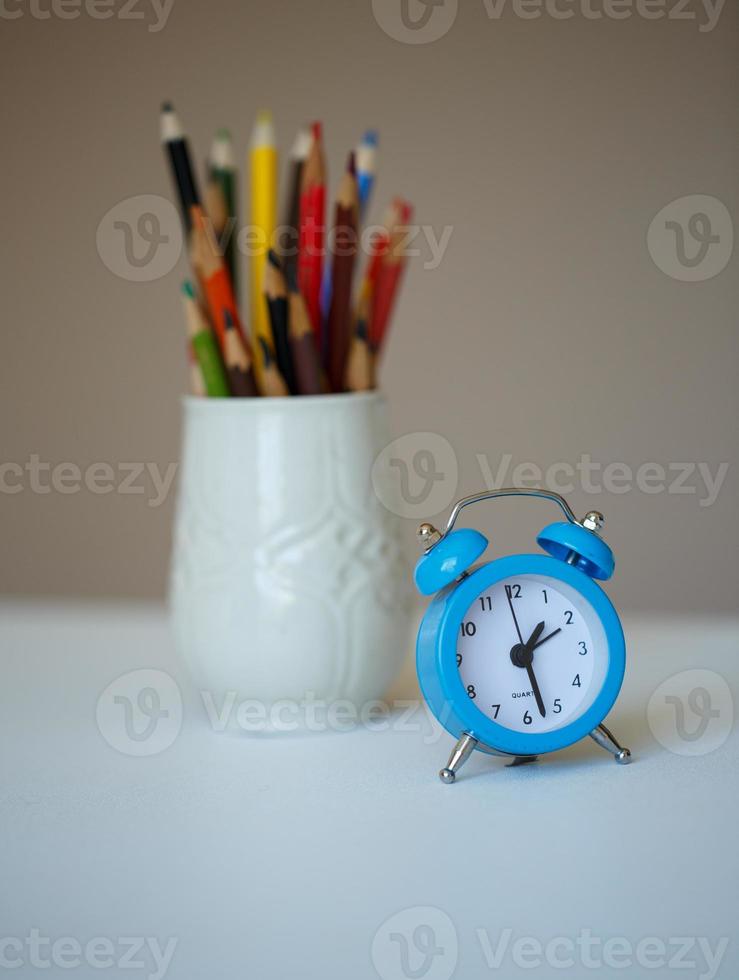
{"points": [[287, 575]]}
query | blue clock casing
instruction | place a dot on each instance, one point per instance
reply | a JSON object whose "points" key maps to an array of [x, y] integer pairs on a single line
{"points": [[577, 555]]}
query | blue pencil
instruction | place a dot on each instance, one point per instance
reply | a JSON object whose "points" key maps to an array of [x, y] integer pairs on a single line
{"points": [[366, 169]]}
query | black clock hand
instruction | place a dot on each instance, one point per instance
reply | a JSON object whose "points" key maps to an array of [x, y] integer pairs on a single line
{"points": [[537, 692], [510, 603], [522, 655], [531, 643], [544, 640]]}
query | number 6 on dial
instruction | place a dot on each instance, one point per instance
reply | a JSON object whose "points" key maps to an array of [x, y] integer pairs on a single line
{"points": [[525, 654]]}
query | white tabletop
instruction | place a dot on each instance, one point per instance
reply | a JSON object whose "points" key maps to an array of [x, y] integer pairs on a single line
{"points": [[284, 856]]}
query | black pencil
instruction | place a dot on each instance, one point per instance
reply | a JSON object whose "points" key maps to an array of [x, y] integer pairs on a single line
{"points": [[275, 291], [175, 142]]}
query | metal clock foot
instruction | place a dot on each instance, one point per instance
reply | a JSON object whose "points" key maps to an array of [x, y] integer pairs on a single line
{"points": [[460, 754], [522, 760], [605, 739]]}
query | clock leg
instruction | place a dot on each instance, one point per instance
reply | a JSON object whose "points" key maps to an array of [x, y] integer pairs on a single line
{"points": [[460, 754], [605, 739]]}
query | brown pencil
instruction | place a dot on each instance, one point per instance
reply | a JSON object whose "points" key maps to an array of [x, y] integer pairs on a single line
{"points": [[239, 367], [345, 251], [360, 366], [291, 217], [306, 362]]}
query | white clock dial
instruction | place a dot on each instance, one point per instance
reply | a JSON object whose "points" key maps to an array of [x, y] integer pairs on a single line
{"points": [[532, 653]]}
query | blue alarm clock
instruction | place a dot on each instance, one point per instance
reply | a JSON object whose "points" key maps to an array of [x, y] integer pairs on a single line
{"points": [[525, 654]]}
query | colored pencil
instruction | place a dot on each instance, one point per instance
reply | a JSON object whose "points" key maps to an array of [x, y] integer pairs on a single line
{"points": [[389, 275], [222, 172], [291, 217], [346, 227], [263, 165], [273, 384], [379, 246], [366, 170], [219, 295], [306, 362], [177, 149], [203, 346], [276, 292], [239, 367], [312, 232], [197, 384], [360, 368]]}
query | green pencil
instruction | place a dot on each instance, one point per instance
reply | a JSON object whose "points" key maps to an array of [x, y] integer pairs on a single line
{"points": [[204, 346]]}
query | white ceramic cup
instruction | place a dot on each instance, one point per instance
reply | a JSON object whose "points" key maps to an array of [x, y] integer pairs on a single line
{"points": [[287, 577]]}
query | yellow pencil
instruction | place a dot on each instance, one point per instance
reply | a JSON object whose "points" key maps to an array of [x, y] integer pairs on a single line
{"points": [[263, 218]]}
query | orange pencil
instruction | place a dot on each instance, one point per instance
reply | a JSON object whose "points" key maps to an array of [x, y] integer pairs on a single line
{"points": [[213, 274], [346, 228], [389, 275], [312, 233]]}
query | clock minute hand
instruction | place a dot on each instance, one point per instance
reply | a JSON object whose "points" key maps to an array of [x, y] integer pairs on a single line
{"points": [[537, 692], [544, 640], [510, 603]]}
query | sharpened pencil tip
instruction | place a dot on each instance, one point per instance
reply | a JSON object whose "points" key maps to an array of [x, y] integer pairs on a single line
{"points": [[263, 133], [317, 131], [274, 259], [351, 164], [167, 107], [223, 133], [371, 137], [228, 320], [188, 289]]}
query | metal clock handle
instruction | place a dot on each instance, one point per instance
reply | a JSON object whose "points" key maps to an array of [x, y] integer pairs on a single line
{"points": [[520, 492]]}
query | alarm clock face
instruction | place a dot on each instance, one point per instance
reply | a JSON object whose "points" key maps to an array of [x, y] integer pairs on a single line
{"points": [[532, 653]]}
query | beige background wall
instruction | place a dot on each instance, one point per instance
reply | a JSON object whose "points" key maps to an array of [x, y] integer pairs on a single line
{"points": [[546, 332]]}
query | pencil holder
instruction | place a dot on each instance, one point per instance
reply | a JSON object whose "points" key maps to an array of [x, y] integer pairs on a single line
{"points": [[287, 577]]}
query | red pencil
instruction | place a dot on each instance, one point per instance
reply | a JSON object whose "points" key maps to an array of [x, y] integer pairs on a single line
{"points": [[389, 274], [380, 244], [311, 235]]}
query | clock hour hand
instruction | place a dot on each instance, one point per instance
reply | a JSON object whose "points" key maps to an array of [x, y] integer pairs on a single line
{"points": [[510, 603], [531, 643]]}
